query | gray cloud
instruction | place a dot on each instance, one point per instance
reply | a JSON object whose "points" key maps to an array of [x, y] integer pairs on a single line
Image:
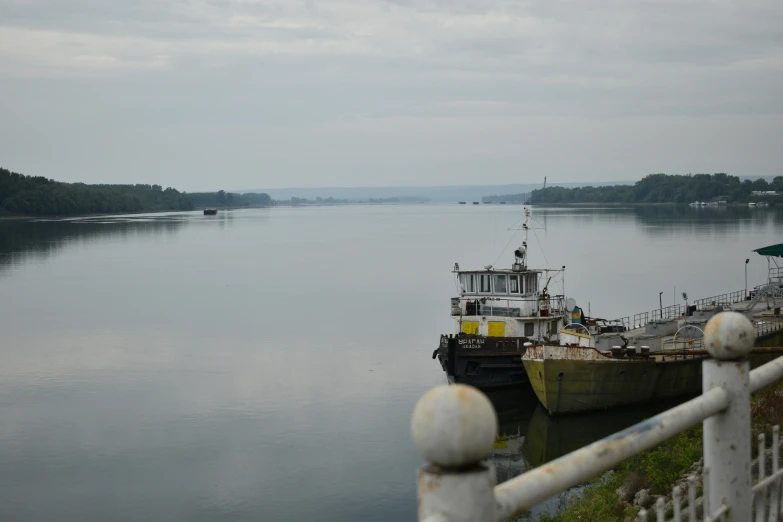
{"points": [[279, 93]]}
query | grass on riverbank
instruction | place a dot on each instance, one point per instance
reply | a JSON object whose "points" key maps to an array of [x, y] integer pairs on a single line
{"points": [[659, 468]]}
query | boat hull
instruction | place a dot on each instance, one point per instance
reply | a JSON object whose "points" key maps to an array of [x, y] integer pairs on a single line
{"points": [[569, 384], [483, 362]]}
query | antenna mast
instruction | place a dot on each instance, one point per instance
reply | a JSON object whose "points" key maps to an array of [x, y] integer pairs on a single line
{"points": [[520, 253]]}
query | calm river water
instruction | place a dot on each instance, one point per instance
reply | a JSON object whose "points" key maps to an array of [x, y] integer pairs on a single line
{"points": [[263, 364]]}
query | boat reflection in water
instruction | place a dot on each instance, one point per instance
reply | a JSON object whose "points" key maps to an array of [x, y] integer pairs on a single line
{"points": [[529, 437], [515, 408]]}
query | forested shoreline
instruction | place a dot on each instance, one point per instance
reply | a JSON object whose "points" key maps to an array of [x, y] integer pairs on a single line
{"points": [[222, 198], [38, 196], [668, 188], [23, 195]]}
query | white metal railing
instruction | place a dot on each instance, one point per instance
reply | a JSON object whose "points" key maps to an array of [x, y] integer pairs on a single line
{"points": [[768, 325], [667, 312], [454, 428], [620, 324], [766, 493], [659, 314], [722, 299], [504, 307], [675, 311], [641, 319]]}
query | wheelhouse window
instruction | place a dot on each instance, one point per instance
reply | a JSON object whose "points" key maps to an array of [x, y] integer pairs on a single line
{"points": [[468, 283], [500, 284], [484, 283], [528, 283], [513, 284]]}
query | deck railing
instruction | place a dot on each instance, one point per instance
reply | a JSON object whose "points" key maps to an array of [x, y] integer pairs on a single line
{"points": [[722, 299], [675, 311], [768, 325], [641, 319], [659, 314], [454, 428], [667, 312], [499, 306]]}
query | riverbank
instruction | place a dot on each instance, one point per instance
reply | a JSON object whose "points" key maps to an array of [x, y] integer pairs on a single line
{"points": [[617, 495]]}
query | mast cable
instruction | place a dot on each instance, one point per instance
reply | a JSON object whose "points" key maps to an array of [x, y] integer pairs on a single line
{"points": [[505, 248], [538, 241]]}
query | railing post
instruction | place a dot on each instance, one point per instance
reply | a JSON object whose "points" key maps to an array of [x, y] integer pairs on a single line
{"points": [[454, 428], [729, 338]]}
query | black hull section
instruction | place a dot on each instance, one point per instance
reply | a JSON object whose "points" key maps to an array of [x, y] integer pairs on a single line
{"points": [[483, 362]]}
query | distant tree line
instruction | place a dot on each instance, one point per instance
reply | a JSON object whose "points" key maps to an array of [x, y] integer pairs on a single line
{"points": [[294, 201], [222, 198], [664, 188], [36, 195], [39, 196], [508, 198]]}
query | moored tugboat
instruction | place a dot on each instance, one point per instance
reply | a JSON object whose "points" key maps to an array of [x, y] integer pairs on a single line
{"points": [[509, 331], [498, 314]]}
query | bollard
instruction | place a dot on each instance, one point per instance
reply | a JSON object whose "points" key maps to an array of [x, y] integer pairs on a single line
{"points": [[454, 428], [729, 338]]}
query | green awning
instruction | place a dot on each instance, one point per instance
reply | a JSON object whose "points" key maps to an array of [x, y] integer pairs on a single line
{"points": [[772, 250]]}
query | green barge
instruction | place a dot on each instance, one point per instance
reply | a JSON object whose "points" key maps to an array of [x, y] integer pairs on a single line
{"points": [[647, 361], [569, 379]]}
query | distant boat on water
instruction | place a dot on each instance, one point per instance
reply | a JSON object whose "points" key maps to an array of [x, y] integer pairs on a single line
{"points": [[461, 202], [210, 211], [475, 202]]}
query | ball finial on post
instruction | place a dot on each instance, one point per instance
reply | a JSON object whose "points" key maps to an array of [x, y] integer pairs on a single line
{"points": [[454, 426], [729, 335]]}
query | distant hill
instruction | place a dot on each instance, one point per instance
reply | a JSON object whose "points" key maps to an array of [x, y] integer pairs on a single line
{"points": [[434, 194]]}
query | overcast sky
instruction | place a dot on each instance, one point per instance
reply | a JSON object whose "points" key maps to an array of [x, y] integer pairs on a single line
{"points": [[208, 94]]}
